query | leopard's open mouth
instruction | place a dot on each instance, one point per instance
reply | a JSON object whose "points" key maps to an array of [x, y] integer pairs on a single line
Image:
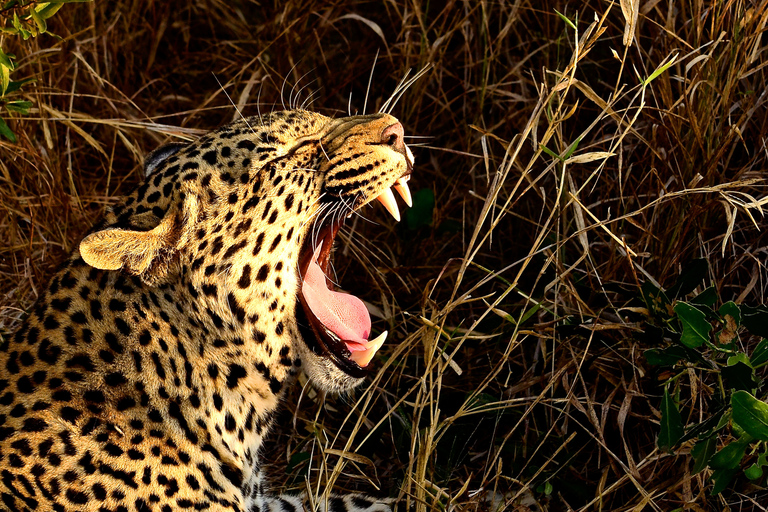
{"points": [[334, 324]]}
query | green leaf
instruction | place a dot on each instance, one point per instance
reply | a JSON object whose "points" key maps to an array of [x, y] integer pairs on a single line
{"points": [[702, 451], [722, 477], [6, 132], [39, 21], [750, 414], [296, 459], [661, 69], [6, 60], [706, 298], [753, 472], [739, 357], [707, 427], [759, 356], [666, 356], [729, 457], [730, 308], [48, 9], [20, 27], [739, 375], [15, 85], [656, 300], [572, 149], [550, 152], [5, 80], [671, 423], [696, 328], [755, 320], [566, 20], [762, 459], [20, 106]]}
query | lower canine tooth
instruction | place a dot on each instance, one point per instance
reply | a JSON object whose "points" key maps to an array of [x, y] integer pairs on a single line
{"points": [[387, 198], [363, 357]]}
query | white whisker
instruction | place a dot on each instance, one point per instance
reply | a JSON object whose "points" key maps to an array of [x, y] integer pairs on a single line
{"points": [[370, 79], [258, 103], [298, 93], [232, 102], [307, 102], [282, 87]]}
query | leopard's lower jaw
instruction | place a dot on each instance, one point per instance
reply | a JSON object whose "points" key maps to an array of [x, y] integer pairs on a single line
{"points": [[325, 373]]}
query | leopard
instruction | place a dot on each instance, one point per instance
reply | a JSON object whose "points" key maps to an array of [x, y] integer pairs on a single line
{"points": [[150, 370]]}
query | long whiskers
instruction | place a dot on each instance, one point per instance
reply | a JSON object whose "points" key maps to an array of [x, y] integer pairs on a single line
{"points": [[316, 225], [282, 87], [401, 88], [293, 101]]}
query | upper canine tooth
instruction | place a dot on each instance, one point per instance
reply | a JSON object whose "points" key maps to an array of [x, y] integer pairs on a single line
{"points": [[409, 155], [402, 188], [387, 198]]}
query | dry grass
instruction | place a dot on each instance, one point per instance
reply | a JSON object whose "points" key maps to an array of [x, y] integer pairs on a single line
{"points": [[565, 173]]}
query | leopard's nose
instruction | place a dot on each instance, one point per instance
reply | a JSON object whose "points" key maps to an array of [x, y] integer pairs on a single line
{"points": [[393, 136]]}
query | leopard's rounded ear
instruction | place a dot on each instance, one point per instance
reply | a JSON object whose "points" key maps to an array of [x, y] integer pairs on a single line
{"points": [[136, 251], [147, 247]]}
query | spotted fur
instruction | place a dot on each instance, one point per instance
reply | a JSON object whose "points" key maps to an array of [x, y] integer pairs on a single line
{"points": [[149, 371]]}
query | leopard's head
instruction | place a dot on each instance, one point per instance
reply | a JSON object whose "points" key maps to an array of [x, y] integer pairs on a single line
{"points": [[241, 224]]}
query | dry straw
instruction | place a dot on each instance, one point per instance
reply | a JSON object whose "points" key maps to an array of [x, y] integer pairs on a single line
{"points": [[563, 158]]}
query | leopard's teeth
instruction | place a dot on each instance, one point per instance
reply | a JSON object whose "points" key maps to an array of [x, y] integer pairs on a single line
{"points": [[401, 186], [409, 156], [363, 357], [387, 198]]}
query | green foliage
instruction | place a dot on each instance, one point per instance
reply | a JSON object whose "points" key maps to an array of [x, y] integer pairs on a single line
{"points": [[696, 328], [750, 414], [25, 18], [671, 423], [711, 341]]}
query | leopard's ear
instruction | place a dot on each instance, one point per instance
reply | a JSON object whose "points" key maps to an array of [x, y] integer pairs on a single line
{"points": [[116, 248], [153, 160], [146, 248]]}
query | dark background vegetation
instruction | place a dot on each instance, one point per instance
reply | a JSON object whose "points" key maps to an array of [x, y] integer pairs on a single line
{"points": [[553, 178]]}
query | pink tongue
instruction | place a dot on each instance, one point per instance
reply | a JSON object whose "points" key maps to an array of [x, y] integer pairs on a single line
{"points": [[343, 314]]}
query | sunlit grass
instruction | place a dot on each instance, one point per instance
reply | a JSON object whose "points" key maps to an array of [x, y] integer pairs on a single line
{"points": [[561, 169]]}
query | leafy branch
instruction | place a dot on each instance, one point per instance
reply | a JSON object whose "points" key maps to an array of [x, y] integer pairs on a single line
{"points": [[26, 19]]}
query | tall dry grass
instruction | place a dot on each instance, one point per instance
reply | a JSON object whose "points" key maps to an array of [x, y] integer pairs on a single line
{"points": [[566, 169]]}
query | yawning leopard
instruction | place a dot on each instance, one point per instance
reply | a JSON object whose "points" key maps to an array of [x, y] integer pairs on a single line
{"points": [[150, 369]]}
